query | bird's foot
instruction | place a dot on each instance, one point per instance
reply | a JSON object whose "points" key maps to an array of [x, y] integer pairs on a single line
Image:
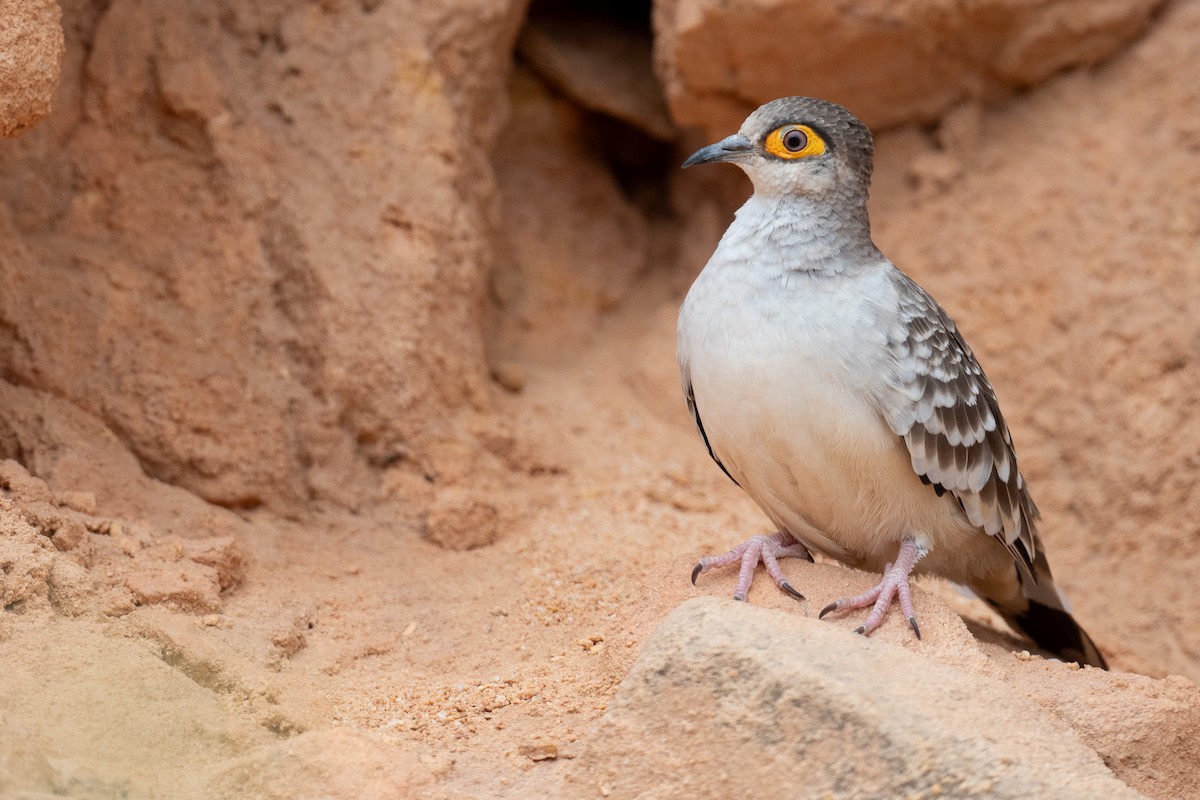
{"points": [[766, 548], [893, 585]]}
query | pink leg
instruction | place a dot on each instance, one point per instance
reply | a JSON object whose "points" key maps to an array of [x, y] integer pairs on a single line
{"points": [[893, 585], [768, 549]]}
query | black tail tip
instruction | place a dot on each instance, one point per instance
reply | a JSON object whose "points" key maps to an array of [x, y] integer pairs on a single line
{"points": [[1055, 630]]}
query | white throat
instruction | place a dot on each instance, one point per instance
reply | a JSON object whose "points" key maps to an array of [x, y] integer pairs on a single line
{"points": [[796, 233]]}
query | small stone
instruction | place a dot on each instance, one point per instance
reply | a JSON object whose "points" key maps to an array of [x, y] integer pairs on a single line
{"points": [[83, 502], [68, 587], [71, 535], [540, 751], [222, 553], [510, 375], [459, 519], [23, 486], [190, 586]]}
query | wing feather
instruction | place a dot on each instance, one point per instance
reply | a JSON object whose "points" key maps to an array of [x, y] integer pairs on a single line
{"points": [[945, 409]]}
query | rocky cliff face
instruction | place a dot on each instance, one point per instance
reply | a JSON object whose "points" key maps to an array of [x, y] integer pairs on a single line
{"points": [[342, 427], [210, 252]]}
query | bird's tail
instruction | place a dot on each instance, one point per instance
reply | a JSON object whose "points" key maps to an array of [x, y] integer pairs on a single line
{"points": [[1038, 609]]}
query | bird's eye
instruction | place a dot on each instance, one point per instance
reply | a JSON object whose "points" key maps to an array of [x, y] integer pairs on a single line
{"points": [[794, 141]]}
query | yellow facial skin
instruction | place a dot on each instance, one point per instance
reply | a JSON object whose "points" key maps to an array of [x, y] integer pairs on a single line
{"points": [[794, 141]]}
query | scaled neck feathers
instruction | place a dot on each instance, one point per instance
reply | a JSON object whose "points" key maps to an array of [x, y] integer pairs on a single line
{"points": [[797, 233]]}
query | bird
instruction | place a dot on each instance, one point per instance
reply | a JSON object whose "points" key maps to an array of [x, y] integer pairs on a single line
{"points": [[842, 398]]}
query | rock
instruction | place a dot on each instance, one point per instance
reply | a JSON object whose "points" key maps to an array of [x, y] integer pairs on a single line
{"points": [[26, 559], [1145, 729], [889, 63], [459, 519], [556, 276], [260, 265], [341, 764], [25, 488], [222, 553], [510, 375], [83, 502], [31, 49], [69, 588], [70, 535], [599, 63], [190, 586], [730, 700]]}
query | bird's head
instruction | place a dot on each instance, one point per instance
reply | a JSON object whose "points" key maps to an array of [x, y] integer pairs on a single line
{"points": [[798, 146]]}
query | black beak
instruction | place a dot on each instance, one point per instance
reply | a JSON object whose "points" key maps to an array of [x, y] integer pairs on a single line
{"points": [[731, 148]]}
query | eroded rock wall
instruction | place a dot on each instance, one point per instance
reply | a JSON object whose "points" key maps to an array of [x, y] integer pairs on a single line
{"points": [[253, 237]]}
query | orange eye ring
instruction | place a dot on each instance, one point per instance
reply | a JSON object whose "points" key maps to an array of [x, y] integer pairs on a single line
{"points": [[794, 141]]}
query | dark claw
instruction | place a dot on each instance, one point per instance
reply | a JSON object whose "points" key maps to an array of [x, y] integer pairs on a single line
{"points": [[787, 587], [860, 630], [831, 607], [913, 621], [739, 598], [696, 571]]}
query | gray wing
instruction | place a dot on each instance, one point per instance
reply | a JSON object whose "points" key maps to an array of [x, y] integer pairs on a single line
{"points": [[946, 411]]}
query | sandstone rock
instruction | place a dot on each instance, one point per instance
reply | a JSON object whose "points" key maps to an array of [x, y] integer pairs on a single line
{"points": [[510, 375], [555, 275], [1146, 730], [83, 502], [26, 558], [31, 48], [888, 62], [222, 553], [460, 519], [190, 586], [24, 487], [598, 63], [731, 700], [340, 764], [287, 209], [69, 588]]}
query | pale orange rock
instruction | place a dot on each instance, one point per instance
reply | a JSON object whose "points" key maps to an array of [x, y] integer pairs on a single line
{"points": [[190, 586], [889, 62], [460, 519], [31, 49], [730, 700]]}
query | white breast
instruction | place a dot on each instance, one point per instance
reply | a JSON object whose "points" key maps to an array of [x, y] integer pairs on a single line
{"points": [[785, 367]]}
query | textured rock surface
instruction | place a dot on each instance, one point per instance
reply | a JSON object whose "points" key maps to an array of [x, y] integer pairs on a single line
{"points": [[729, 700], [553, 273], [344, 764], [222, 187], [31, 48], [599, 63], [888, 62]]}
